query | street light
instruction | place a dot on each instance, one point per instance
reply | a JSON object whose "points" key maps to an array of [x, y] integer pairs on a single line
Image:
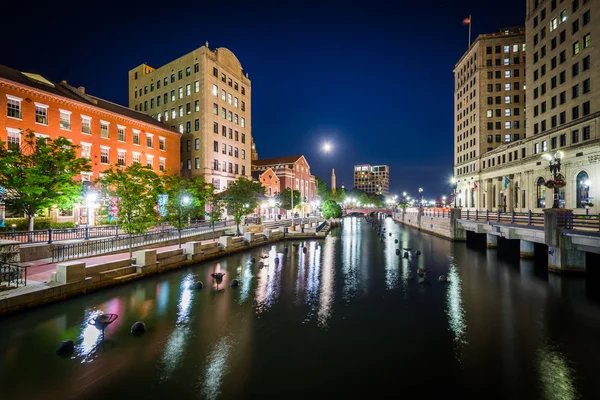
{"points": [[89, 198], [184, 201], [420, 197], [454, 182], [554, 165]]}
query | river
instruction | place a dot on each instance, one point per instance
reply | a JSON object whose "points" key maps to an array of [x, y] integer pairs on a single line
{"points": [[343, 319]]}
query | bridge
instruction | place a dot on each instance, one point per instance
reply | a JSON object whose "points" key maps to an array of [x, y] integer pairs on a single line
{"points": [[367, 211], [568, 239]]}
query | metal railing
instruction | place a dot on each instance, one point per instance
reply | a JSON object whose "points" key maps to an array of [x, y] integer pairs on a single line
{"points": [[438, 213], [103, 246], [13, 275], [590, 223], [52, 235]]}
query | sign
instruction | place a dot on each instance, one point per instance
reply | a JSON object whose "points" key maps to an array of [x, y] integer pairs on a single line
{"points": [[162, 204]]}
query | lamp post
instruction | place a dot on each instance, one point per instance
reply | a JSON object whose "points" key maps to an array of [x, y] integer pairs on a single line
{"points": [[587, 184], [420, 197], [184, 201], [89, 198], [454, 182], [554, 165]]}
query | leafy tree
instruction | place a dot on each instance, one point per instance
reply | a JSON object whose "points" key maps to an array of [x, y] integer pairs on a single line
{"points": [[241, 198], [285, 199], [214, 208], [338, 196], [364, 199], [135, 190], [40, 173], [376, 200], [331, 209], [322, 191], [194, 189]]}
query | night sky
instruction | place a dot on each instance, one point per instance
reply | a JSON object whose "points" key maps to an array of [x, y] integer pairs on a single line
{"points": [[374, 79]]}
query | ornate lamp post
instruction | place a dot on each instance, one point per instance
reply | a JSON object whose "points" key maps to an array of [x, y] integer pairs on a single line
{"points": [[557, 179], [454, 182]]}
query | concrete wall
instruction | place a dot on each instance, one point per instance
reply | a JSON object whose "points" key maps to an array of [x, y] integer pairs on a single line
{"points": [[444, 226]]}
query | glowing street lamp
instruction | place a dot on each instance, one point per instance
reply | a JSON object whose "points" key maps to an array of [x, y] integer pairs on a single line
{"points": [[89, 198], [184, 201], [420, 197], [554, 166]]}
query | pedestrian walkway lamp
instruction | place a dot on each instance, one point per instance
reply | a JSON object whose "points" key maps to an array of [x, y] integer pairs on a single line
{"points": [[557, 179], [184, 201], [420, 197], [454, 181], [89, 198]]}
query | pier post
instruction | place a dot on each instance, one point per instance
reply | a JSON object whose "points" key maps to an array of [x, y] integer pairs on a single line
{"points": [[562, 254], [527, 249]]}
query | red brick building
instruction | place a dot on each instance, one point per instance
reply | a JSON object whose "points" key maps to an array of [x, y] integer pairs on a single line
{"points": [[293, 172], [271, 183], [107, 133]]}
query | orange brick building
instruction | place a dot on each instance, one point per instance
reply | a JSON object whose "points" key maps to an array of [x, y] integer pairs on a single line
{"points": [[271, 183], [107, 133]]}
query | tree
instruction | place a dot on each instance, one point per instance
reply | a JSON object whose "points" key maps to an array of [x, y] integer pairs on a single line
{"points": [[364, 199], [194, 189], [339, 195], [40, 173], [331, 209], [135, 190], [214, 208], [376, 200], [241, 198], [285, 199], [322, 191]]}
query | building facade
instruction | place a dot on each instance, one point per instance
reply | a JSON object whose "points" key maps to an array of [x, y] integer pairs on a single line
{"points": [[372, 179], [563, 113], [293, 172], [205, 95], [489, 97], [105, 132], [269, 180]]}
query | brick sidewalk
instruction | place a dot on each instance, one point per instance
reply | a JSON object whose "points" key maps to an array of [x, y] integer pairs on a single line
{"points": [[41, 270]]}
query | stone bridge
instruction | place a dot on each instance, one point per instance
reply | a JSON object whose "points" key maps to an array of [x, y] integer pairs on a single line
{"points": [[367, 211]]}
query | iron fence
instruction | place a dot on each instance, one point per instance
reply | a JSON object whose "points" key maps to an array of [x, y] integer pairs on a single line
{"points": [[13, 275], [102, 246]]}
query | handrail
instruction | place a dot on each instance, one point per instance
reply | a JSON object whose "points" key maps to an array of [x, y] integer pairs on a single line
{"points": [[13, 274], [590, 223]]}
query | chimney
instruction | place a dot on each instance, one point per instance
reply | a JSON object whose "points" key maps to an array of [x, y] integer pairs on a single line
{"points": [[81, 89]]}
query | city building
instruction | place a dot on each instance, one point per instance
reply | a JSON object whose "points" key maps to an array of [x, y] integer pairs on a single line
{"points": [[205, 95], [293, 172], [372, 179], [107, 133], [269, 180], [563, 115], [489, 97]]}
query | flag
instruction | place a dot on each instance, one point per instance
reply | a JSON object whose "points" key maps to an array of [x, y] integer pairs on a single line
{"points": [[506, 182], [474, 185], [467, 21]]}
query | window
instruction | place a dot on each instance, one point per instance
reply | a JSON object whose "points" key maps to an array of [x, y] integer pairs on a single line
{"points": [[14, 139], [215, 90], [587, 40], [229, 98], [120, 133], [553, 24], [490, 113], [188, 146], [149, 140], [197, 124], [229, 116], [136, 137], [223, 95], [235, 102], [188, 108], [582, 189], [244, 122], [230, 83], [586, 18], [586, 133], [490, 139], [181, 127], [563, 15], [215, 109], [173, 113], [224, 148], [215, 72], [180, 92], [506, 100], [104, 159], [180, 75], [161, 143], [216, 146], [196, 86], [197, 105], [541, 193], [586, 108], [576, 48], [586, 63], [86, 125], [224, 166], [563, 139], [65, 119], [575, 136], [536, 148], [41, 114], [223, 112], [243, 136], [188, 126], [121, 157], [507, 61], [180, 111], [243, 106], [243, 170], [215, 127], [13, 107], [223, 78], [507, 87], [86, 150], [507, 125], [150, 161], [161, 163], [188, 89], [215, 167], [197, 163]]}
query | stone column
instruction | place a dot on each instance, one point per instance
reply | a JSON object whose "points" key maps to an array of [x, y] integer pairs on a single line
{"points": [[456, 230], [527, 249], [562, 254], [419, 216], [491, 241], [488, 195], [498, 189]]}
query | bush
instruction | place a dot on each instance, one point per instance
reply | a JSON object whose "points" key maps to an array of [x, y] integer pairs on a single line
{"points": [[22, 224], [331, 209], [62, 225]]}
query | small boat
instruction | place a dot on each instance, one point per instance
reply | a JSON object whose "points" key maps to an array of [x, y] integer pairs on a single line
{"points": [[218, 275]]}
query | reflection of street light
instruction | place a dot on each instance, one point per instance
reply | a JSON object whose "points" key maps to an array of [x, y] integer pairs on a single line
{"points": [[89, 198], [184, 201]]}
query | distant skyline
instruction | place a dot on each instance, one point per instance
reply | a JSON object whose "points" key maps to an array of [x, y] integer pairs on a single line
{"points": [[374, 80]]}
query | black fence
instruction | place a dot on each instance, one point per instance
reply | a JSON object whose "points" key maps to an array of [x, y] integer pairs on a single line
{"points": [[13, 275], [102, 246]]}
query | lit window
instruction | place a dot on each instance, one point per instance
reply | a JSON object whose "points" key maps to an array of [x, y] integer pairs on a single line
{"points": [[576, 48], [563, 15], [180, 92], [121, 133], [181, 111], [544, 146], [86, 125], [181, 128], [235, 102], [215, 90], [507, 87], [507, 49], [553, 24], [507, 112], [229, 98], [104, 129], [587, 40], [507, 99], [507, 138], [196, 86], [490, 113], [507, 61], [243, 123], [65, 119], [173, 113], [223, 95], [121, 157], [86, 150], [41, 114], [507, 125], [188, 89], [515, 48], [13, 107], [507, 73], [104, 158]]}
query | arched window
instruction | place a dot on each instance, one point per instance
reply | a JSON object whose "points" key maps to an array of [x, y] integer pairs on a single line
{"points": [[583, 189], [541, 193]]}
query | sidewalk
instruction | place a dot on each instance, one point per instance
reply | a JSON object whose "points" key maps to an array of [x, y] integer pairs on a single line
{"points": [[39, 271]]}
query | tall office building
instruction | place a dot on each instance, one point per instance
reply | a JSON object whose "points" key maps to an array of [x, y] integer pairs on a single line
{"points": [[205, 95], [372, 179], [489, 97], [563, 113]]}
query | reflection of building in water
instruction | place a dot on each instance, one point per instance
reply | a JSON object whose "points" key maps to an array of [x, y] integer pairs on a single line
{"points": [[455, 310], [556, 376], [351, 246], [328, 279]]}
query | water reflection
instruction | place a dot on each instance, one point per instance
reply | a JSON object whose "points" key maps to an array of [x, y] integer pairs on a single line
{"points": [[328, 278], [455, 309], [556, 375], [392, 261], [177, 340], [268, 282], [163, 297], [89, 338], [351, 243], [313, 279], [216, 368], [245, 282]]}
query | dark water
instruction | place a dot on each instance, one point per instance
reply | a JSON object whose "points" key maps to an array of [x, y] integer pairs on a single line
{"points": [[341, 320]]}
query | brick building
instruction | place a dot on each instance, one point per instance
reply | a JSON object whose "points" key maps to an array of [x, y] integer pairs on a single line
{"points": [[271, 183], [107, 133], [293, 172]]}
